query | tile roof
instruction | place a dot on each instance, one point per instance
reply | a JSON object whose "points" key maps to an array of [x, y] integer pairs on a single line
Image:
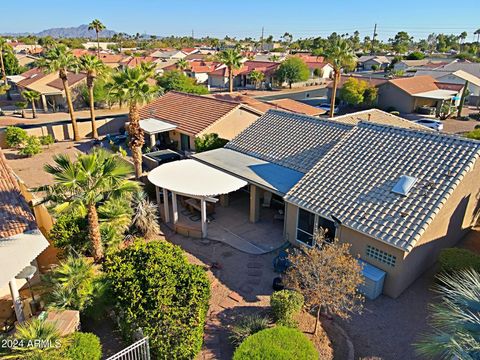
{"points": [[191, 113], [415, 84], [378, 117], [287, 139], [31, 76], [297, 107], [72, 80], [134, 61], [355, 179], [15, 214]]}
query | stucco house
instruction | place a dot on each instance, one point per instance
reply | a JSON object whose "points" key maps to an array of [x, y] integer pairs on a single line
{"points": [[369, 181], [219, 78], [366, 62]]}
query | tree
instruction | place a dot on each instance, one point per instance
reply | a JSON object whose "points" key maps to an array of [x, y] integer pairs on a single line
{"points": [[178, 81], [81, 185], [156, 289], [94, 69], [416, 55], [59, 59], [454, 320], [31, 96], [327, 276], [182, 65], [292, 70], [357, 92], [257, 77], [3, 46], [132, 86], [97, 26], [209, 142], [231, 58], [340, 55], [401, 42], [477, 32]]}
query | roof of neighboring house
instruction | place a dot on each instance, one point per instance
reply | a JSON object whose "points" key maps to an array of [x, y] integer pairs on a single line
{"points": [[297, 107], [244, 99], [354, 181], [471, 68], [378, 59], [134, 61], [30, 76], [266, 67], [378, 117], [317, 65], [415, 84], [311, 58], [191, 113], [167, 53], [372, 81], [73, 78], [290, 140], [15, 214]]}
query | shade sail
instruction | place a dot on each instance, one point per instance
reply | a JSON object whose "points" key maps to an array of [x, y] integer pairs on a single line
{"points": [[191, 177], [18, 251], [437, 94]]}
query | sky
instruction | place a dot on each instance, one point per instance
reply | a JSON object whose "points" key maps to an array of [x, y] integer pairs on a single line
{"points": [[301, 18]]}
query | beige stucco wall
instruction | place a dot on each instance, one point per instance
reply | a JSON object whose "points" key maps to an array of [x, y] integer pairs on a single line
{"points": [[232, 124], [389, 95]]}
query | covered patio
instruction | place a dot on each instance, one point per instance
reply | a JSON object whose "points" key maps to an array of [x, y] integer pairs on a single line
{"points": [[153, 127]]}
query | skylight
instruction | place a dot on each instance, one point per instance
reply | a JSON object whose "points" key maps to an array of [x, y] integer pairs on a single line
{"points": [[404, 185]]}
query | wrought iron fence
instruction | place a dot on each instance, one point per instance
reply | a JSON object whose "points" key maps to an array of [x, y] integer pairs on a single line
{"points": [[139, 350]]}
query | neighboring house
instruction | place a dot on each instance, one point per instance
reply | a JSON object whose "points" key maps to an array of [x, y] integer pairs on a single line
{"points": [[50, 87], [272, 57], [176, 119], [372, 81], [21, 241], [409, 94], [134, 61], [19, 47], [103, 45], [198, 70], [317, 62], [396, 194], [219, 77], [470, 68], [168, 54], [414, 65], [366, 62], [26, 60]]}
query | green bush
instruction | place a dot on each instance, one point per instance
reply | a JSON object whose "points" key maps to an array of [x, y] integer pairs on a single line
{"points": [[455, 259], [209, 142], [15, 136], [474, 134], [278, 343], [158, 290], [247, 326], [46, 139], [31, 147], [70, 231], [83, 346], [285, 305]]}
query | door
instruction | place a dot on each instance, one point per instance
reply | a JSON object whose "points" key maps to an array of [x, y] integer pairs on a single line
{"points": [[184, 142]]}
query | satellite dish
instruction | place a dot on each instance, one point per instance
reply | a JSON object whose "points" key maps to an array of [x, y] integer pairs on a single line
{"points": [[27, 272]]}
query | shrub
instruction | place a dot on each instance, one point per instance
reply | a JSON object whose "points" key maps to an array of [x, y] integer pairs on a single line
{"points": [[31, 147], [474, 134], [83, 346], [15, 136], [278, 343], [46, 139], [158, 290], [209, 142], [70, 231], [247, 326], [285, 305], [455, 259]]}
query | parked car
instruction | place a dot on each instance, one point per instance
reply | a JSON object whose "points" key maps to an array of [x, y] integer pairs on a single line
{"points": [[430, 123], [326, 107]]}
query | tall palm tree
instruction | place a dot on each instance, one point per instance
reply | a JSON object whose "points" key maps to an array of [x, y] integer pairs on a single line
{"points": [[81, 185], [182, 64], [94, 69], [132, 85], [257, 77], [455, 319], [232, 59], [31, 96], [60, 59], [477, 32], [97, 26], [3, 44], [340, 55]]}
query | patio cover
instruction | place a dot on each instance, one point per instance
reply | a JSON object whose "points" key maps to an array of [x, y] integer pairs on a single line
{"points": [[155, 126], [437, 94], [276, 178], [190, 177], [18, 251]]}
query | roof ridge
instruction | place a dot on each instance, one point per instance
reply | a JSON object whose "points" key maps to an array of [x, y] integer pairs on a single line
{"points": [[310, 118], [203, 97]]}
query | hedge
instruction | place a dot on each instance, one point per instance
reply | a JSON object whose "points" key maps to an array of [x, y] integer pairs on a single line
{"points": [[83, 346], [278, 343], [285, 305], [455, 259], [157, 290]]}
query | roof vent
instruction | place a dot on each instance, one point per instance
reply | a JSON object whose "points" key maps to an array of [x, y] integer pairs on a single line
{"points": [[404, 185]]}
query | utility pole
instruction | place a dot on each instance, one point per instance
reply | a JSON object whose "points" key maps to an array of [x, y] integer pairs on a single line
{"points": [[373, 38], [193, 34], [261, 39]]}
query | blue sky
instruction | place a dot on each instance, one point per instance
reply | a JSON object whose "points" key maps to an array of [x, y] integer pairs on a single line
{"points": [[244, 18]]}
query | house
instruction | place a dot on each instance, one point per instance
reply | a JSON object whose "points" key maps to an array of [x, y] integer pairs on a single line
{"points": [[168, 54], [21, 241], [371, 184], [134, 61], [219, 78], [26, 60], [366, 62], [409, 94], [197, 69], [50, 87], [175, 119], [317, 65], [470, 68], [371, 81], [414, 65]]}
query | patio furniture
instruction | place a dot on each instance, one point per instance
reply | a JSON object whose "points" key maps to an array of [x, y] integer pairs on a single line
{"points": [[194, 204], [281, 262]]}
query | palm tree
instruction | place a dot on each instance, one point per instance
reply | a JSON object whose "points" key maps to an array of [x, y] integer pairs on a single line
{"points": [[232, 59], [182, 64], [340, 55], [97, 26], [94, 68], [31, 96], [455, 319], [3, 45], [257, 77], [477, 32], [132, 86], [59, 59], [81, 185]]}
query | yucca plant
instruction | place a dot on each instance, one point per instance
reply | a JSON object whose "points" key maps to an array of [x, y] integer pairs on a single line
{"points": [[455, 320], [247, 326], [145, 218]]}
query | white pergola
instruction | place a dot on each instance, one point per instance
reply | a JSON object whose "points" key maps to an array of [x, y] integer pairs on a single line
{"points": [[195, 180]]}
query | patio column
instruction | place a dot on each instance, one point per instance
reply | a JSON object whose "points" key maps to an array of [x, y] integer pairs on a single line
{"points": [[157, 193], [254, 204], [203, 207], [44, 103], [152, 140], [17, 302], [174, 207], [165, 206]]}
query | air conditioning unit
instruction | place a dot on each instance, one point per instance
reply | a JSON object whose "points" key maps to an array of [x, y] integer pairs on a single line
{"points": [[373, 280]]}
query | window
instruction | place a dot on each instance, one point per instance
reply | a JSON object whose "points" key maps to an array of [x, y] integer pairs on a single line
{"points": [[305, 227], [381, 256]]}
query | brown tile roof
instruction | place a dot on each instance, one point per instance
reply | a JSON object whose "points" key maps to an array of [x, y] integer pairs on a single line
{"points": [[72, 80], [378, 117], [244, 99], [415, 84], [15, 214], [191, 113], [135, 61], [31, 76], [449, 86], [267, 67], [297, 107]]}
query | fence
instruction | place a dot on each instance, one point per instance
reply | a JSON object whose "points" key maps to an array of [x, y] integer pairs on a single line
{"points": [[139, 350]]}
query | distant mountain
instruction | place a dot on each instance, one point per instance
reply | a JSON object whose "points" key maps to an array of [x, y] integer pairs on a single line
{"points": [[69, 32]]}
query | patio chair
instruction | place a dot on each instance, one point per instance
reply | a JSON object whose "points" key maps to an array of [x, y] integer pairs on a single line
{"points": [[267, 199], [281, 262]]}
